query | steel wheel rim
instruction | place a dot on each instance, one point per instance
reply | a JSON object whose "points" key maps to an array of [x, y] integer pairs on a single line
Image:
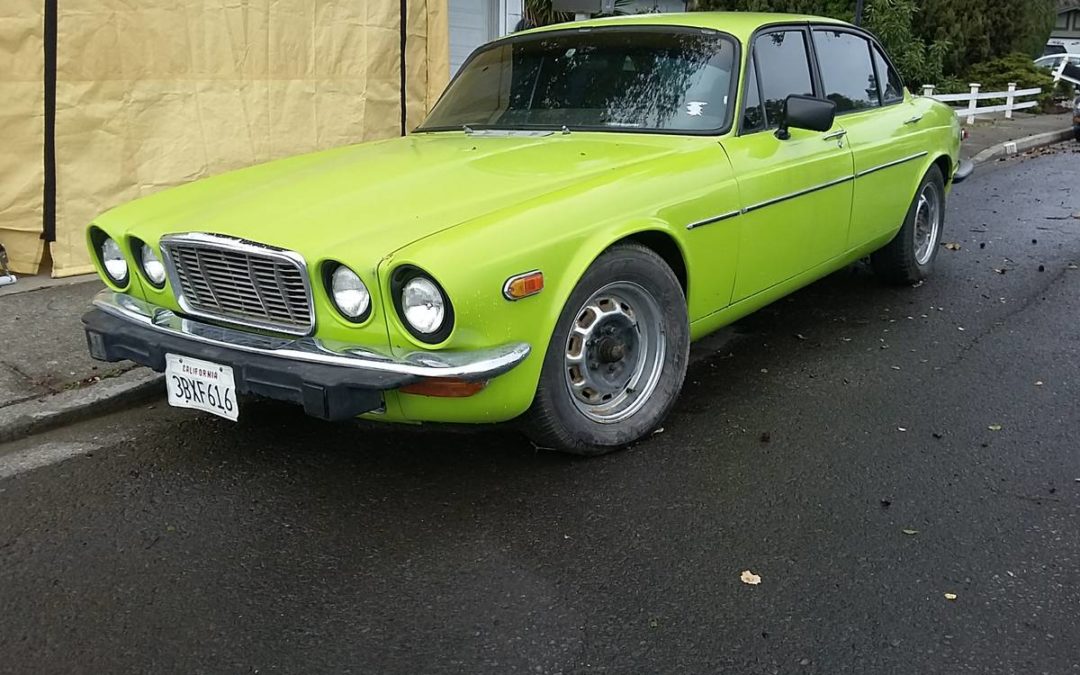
{"points": [[927, 224], [614, 353]]}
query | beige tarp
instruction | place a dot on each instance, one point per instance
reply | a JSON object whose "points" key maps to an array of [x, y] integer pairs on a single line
{"points": [[22, 128], [157, 93]]}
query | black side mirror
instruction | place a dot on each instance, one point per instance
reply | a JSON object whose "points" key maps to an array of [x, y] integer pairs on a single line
{"points": [[806, 112]]}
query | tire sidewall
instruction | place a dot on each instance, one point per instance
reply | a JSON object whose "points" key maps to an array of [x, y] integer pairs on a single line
{"points": [[646, 269]]}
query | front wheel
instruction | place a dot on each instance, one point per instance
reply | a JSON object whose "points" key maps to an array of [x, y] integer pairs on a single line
{"points": [[909, 257], [617, 358]]}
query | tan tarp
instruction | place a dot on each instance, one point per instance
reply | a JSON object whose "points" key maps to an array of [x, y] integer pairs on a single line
{"points": [[22, 129], [158, 93]]}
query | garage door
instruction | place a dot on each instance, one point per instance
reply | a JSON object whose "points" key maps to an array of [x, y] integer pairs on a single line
{"points": [[472, 23]]}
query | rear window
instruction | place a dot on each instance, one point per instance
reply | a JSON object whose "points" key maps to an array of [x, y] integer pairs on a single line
{"points": [[673, 80]]}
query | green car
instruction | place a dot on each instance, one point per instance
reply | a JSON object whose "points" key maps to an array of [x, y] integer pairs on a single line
{"points": [[584, 201]]}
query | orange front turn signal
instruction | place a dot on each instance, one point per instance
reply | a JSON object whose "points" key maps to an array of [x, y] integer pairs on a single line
{"points": [[444, 387], [523, 285]]}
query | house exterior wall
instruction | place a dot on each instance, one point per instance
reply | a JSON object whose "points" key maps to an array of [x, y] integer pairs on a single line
{"points": [[1067, 26]]}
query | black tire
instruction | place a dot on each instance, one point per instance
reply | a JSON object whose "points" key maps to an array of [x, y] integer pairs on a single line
{"points": [[564, 421], [1076, 133], [898, 261]]}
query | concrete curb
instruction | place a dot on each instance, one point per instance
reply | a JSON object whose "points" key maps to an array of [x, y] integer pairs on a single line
{"points": [[1022, 145], [30, 417]]}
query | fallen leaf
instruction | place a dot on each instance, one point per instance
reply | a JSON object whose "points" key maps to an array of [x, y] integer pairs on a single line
{"points": [[1038, 383], [994, 427], [950, 596], [659, 431], [938, 435], [800, 336], [895, 367], [952, 246], [999, 270], [748, 577], [765, 437], [910, 532], [901, 428]]}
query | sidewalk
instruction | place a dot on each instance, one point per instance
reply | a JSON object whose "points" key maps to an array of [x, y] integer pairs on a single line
{"points": [[988, 132], [47, 377]]}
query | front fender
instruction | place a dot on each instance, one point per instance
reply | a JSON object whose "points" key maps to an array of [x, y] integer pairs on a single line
{"points": [[561, 235]]}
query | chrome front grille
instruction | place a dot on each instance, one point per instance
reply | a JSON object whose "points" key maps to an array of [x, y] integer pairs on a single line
{"points": [[240, 282]]}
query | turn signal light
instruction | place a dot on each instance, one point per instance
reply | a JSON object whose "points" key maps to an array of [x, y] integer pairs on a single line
{"points": [[524, 285], [444, 387]]}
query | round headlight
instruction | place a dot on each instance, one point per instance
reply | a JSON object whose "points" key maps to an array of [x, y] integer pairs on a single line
{"points": [[152, 266], [423, 305], [113, 261], [349, 293]]}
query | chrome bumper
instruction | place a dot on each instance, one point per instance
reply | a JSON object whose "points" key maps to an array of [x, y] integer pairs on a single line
{"points": [[475, 365]]}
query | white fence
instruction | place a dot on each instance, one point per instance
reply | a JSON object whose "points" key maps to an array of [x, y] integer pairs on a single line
{"points": [[973, 97]]}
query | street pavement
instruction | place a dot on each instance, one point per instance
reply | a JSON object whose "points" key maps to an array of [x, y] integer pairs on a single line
{"points": [[899, 466]]}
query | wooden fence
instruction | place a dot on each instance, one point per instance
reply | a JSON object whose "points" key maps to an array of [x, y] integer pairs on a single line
{"points": [[971, 100]]}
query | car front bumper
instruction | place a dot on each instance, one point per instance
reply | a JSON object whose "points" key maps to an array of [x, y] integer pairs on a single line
{"points": [[331, 381]]}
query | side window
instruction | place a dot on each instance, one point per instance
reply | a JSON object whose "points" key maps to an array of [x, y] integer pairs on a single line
{"points": [[892, 87], [785, 69], [753, 114], [846, 70]]}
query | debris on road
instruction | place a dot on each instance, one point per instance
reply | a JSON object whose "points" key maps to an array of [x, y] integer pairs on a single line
{"points": [[994, 427], [952, 246], [909, 532], [748, 577], [950, 596]]}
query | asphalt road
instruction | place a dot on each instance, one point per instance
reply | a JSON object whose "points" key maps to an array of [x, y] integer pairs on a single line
{"points": [[865, 450]]}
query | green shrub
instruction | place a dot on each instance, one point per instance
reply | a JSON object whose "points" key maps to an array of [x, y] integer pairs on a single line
{"points": [[996, 75]]}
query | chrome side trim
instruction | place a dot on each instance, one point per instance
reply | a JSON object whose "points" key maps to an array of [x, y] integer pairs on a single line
{"points": [[240, 246], [889, 165], [714, 219], [800, 193], [481, 364]]}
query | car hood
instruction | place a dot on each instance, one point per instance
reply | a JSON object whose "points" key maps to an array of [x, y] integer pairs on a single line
{"points": [[381, 196]]}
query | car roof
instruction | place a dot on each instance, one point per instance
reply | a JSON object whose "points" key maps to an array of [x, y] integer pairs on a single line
{"points": [[740, 24]]}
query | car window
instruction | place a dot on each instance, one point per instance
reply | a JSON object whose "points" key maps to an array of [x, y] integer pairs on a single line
{"points": [[784, 68], [601, 79], [846, 70], [753, 113], [892, 89]]}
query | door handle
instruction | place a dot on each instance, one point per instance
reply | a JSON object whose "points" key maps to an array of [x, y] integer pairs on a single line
{"points": [[837, 136], [914, 120]]}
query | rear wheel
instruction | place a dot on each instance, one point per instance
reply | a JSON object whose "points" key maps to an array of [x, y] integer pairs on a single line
{"points": [[910, 256], [617, 358]]}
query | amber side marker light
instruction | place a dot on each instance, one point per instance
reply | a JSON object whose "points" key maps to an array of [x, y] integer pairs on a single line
{"points": [[444, 387], [523, 285]]}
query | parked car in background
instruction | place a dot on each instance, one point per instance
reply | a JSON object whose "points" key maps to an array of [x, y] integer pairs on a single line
{"points": [[1052, 61], [1076, 118], [583, 202]]}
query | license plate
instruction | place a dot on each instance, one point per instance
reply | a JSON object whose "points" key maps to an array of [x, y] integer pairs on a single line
{"points": [[201, 385]]}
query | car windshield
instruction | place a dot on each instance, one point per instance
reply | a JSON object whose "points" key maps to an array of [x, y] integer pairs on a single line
{"points": [[642, 79]]}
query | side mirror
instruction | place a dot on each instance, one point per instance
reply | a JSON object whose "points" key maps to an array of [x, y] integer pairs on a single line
{"points": [[806, 112]]}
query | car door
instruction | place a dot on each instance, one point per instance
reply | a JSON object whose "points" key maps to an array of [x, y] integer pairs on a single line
{"points": [[795, 193], [883, 126]]}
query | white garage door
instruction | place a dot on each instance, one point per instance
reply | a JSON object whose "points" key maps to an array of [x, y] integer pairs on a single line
{"points": [[472, 23]]}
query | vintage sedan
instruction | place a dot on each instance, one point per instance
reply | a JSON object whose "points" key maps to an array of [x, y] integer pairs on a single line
{"points": [[584, 201]]}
